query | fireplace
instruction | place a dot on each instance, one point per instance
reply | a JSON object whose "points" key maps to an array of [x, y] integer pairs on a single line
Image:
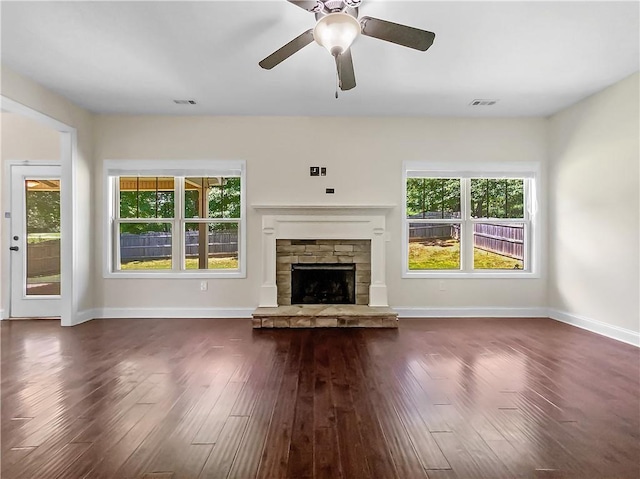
{"points": [[323, 284], [334, 271], [323, 234]]}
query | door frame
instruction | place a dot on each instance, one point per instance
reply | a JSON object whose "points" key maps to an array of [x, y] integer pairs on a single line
{"points": [[69, 301]]}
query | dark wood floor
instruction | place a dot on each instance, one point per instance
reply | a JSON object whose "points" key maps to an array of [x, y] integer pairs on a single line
{"points": [[438, 399]]}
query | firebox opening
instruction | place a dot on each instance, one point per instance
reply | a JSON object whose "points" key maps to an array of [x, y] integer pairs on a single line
{"points": [[323, 284]]}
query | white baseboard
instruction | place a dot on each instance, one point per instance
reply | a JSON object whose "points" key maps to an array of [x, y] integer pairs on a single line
{"points": [[409, 313], [84, 316], [140, 313], [614, 332]]}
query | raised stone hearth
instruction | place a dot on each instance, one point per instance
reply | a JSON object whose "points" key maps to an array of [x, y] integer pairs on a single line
{"points": [[325, 316]]}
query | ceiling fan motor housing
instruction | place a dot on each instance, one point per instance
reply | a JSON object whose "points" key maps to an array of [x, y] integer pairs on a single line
{"points": [[338, 6]]}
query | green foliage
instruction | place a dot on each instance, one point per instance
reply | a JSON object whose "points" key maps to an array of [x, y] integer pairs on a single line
{"points": [[147, 204], [495, 198], [433, 198], [440, 198], [213, 227], [223, 201], [43, 211]]}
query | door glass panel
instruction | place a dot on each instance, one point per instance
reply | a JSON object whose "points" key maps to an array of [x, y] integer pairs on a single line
{"points": [[42, 201]]}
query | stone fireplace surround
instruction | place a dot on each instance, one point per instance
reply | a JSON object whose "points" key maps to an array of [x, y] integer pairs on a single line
{"points": [[323, 222], [323, 251]]}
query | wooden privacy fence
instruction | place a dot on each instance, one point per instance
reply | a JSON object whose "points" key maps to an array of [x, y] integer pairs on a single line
{"points": [[137, 247], [421, 231], [43, 259], [506, 240]]}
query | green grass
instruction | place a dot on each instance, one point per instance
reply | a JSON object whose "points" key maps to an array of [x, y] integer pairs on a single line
{"points": [[445, 254], [33, 238], [438, 254], [488, 260], [53, 278], [191, 263]]}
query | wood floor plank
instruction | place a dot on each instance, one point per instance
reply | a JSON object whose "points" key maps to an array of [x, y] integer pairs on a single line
{"points": [[56, 465], [324, 414], [221, 458], [376, 450], [276, 452], [326, 460], [252, 445], [350, 440], [212, 425], [14, 456], [434, 399], [300, 462]]}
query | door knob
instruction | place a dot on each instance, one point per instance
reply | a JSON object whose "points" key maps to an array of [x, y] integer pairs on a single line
{"points": [[14, 248]]}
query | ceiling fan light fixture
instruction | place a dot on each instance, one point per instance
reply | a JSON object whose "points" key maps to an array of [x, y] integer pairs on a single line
{"points": [[336, 32]]}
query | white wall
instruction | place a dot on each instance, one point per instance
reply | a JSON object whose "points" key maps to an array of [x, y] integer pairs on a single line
{"points": [[26, 139], [29, 93], [363, 157], [594, 210]]}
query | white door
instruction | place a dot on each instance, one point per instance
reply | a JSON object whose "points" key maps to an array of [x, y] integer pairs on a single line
{"points": [[35, 241]]}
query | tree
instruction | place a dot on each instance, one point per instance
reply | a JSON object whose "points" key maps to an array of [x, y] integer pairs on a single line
{"points": [[146, 204], [433, 197], [43, 211], [497, 198], [223, 201]]}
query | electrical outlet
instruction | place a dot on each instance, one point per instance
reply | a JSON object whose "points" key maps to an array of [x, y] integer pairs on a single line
{"points": [[441, 286], [204, 285], [323, 171]]}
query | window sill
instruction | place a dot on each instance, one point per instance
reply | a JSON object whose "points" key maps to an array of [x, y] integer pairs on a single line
{"points": [[471, 274], [175, 275]]}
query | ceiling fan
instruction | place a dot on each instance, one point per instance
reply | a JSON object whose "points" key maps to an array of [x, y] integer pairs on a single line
{"points": [[336, 29]]}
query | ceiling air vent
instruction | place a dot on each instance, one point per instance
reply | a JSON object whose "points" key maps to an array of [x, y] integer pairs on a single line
{"points": [[184, 102], [483, 102]]}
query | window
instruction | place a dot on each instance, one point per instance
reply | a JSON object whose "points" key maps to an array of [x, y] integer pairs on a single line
{"points": [[470, 220], [164, 221]]}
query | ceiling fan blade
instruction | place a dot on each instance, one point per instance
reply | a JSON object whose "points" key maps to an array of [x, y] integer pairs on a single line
{"points": [[286, 51], [308, 5], [396, 33], [346, 74]]}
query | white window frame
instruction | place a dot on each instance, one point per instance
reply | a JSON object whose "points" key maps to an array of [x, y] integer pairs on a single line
{"points": [[530, 171], [178, 169]]}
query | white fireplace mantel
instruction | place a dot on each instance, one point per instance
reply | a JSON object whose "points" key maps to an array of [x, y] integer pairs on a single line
{"points": [[348, 222]]}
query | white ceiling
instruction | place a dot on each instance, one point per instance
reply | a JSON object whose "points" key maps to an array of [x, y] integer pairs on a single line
{"points": [[136, 57]]}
